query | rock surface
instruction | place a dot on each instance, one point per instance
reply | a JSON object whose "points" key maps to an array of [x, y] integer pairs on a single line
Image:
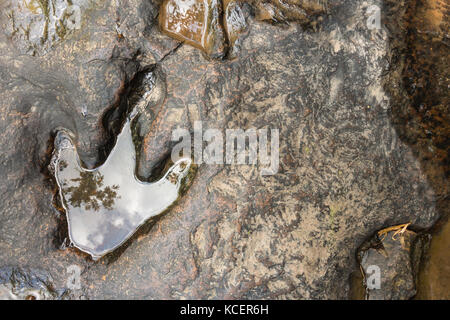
{"points": [[389, 257], [194, 22], [344, 170], [105, 206], [27, 284], [290, 10], [36, 25]]}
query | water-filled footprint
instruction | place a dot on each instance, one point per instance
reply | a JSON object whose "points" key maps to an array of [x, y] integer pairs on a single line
{"points": [[105, 206]]}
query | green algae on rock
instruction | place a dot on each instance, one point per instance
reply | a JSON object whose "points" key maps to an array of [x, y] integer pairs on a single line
{"points": [[195, 22], [105, 206]]}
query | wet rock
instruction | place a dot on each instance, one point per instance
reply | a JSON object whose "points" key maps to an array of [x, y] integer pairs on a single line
{"points": [[136, 24], [105, 206], [196, 22], [37, 25], [234, 21], [388, 266], [26, 284], [344, 170], [261, 238], [291, 10], [201, 23], [152, 148], [73, 87], [420, 113]]}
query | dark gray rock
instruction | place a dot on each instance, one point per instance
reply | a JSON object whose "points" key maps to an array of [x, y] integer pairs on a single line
{"points": [[344, 172], [388, 266], [26, 283]]}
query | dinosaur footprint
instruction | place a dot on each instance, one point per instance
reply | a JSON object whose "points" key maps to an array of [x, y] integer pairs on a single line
{"points": [[105, 206]]}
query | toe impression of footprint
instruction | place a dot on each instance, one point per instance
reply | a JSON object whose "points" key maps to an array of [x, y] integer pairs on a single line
{"points": [[106, 205]]}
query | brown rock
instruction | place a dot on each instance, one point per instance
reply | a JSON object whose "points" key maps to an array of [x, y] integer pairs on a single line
{"points": [[434, 278], [235, 24], [298, 10], [196, 22]]}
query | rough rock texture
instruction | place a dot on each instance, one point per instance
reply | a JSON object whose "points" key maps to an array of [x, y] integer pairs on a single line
{"points": [[344, 171], [35, 26], [235, 24], [420, 113]]}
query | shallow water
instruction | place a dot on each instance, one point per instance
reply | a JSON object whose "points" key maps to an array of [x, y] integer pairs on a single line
{"points": [[343, 172], [105, 206], [434, 278], [426, 124]]}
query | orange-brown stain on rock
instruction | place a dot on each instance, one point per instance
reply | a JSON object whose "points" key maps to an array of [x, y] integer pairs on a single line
{"points": [[215, 26], [195, 22], [285, 10]]}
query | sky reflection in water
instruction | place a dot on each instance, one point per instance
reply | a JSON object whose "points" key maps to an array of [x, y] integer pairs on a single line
{"points": [[105, 206]]}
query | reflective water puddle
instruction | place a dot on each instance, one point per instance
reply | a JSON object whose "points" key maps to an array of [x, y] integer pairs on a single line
{"points": [[105, 206]]}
